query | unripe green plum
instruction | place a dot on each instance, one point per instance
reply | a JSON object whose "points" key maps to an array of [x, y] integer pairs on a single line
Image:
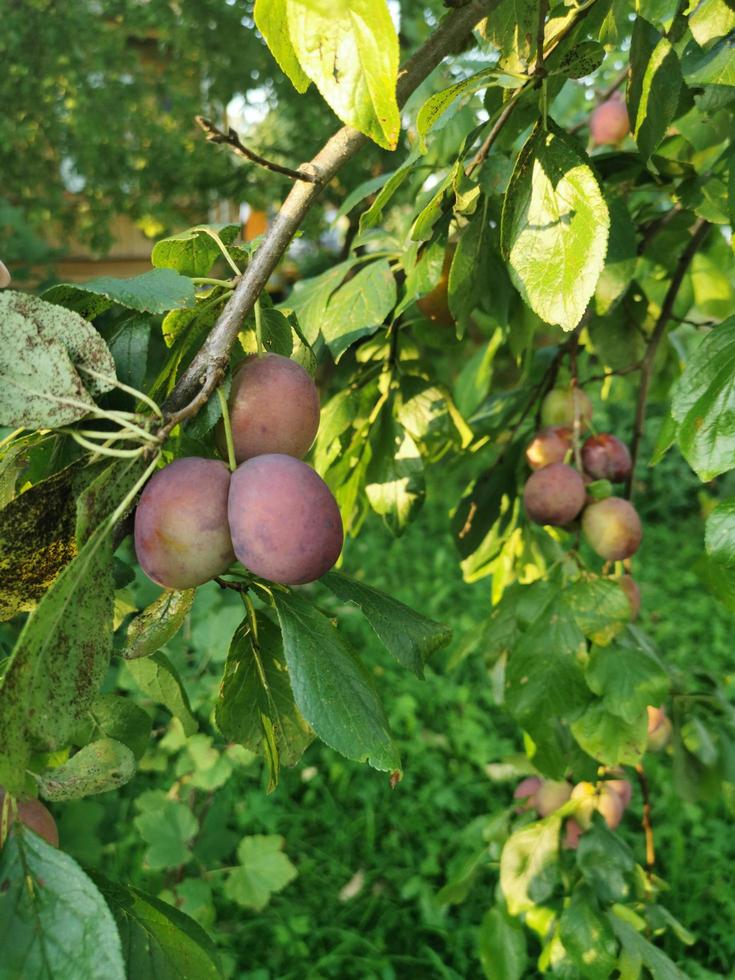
{"points": [[4, 276], [554, 495], [612, 528], [526, 790], [609, 121], [560, 406], [605, 457], [630, 587], [274, 408], [34, 815], [181, 535], [551, 795], [285, 523], [549, 445], [659, 729]]}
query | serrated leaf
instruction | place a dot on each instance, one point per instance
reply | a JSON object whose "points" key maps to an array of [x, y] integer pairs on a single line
{"points": [[608, 737], [331, 687], [255, 707], [513, 28], [168, 829], [395, 483], [45, 354], [359, 307], [703, 404], [129, 348], [599, 606], [309, 297], [264, 870], [716, 66], [529, 865], [120, 718], [349, 49], [96, 768], [373, 216], [192, 252], [54, 923], [711, 19], [655, 85], [271, 19], [410, 637], [437, 104], [628, 675], [156, 291], [554, 228], [63, 651], [158, 623], [158, 940], [661, 967], [158, 678]]}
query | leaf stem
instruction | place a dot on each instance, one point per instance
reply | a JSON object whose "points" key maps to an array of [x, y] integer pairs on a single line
{"points": [[228, 429]]}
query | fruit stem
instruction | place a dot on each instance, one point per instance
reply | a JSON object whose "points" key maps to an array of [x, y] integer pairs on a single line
{"points": [[232, 462]]}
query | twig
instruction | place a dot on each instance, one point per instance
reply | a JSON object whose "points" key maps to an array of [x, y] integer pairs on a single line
{"points": [[699, 232], [224, 583], [205, 371], [613, 374], [494, 132], [231, 139], [655, 226], [646, 822], [539, 71]]}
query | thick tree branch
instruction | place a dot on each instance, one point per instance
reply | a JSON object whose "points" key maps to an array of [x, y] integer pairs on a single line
{"points": [[698, 235], [231, 139], [203, 375]]}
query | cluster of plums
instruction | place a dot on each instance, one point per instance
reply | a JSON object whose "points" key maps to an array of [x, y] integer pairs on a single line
{"points": [[556, 492], [610, 798], [274, 513]]}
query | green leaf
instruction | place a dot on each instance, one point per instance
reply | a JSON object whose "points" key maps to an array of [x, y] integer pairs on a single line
{"points": [[712, 67], [410, 637], [358, 307], [628, 675], [264, 870], [255, 707], [711, 19], [587, 936], [36, 541], [502, 946], [309, 297], [374, 214], [584, 58], [349, 49], [655, 86], [703, 403], [156, 291], [719, 533], [620, 261], [529, 865], [129, 348], [554, 228], [168, 827], [661, 967], [192, 252], [466, 283], [157, 677], [271, 19], [120, 718], [544, 678], [45, 358], [158, 623], [54, 923], [331, 687], [395, 484], [719, 579], [157, 939], [513, 28], [609, 738], [606, 862], [437, 104], [98, 767], [599, 606]]}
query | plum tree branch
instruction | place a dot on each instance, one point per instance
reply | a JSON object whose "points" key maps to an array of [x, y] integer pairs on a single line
{"points": [[233, 141], [699, 232], [204, 373]]}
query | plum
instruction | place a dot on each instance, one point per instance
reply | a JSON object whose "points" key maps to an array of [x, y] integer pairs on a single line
{"points": [[659, 729], [554, 495], [549, 445], [551, 795], [526, 790], [435, 304], [572, 833], [274, 408], [560, 405], [609, 121], [624, 790], [34, 815], [605, 457], [181, 535], [605, 800], [630, 587], [612, 528], [4, 276], [285, 523]]}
